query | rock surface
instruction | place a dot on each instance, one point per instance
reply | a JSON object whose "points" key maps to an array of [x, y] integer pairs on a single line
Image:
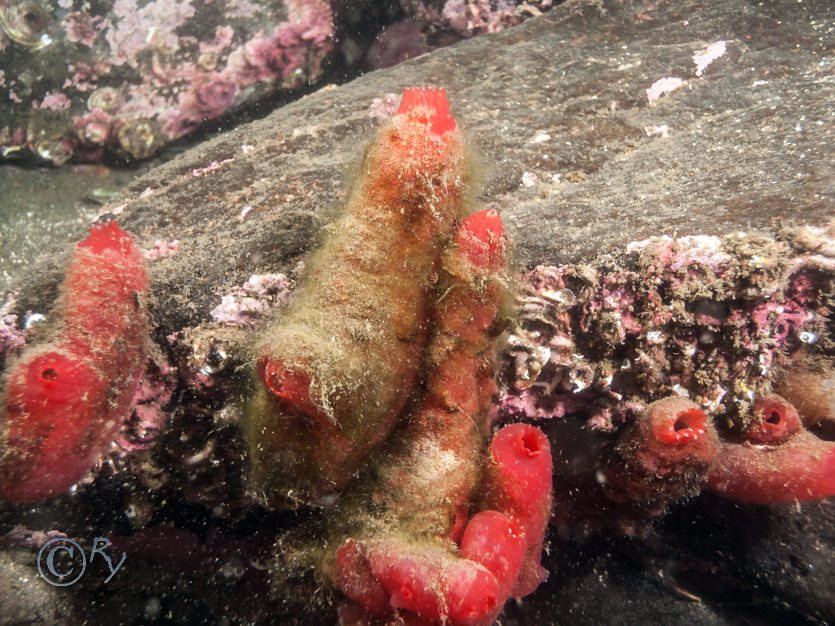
{"points": [[574, 154]]}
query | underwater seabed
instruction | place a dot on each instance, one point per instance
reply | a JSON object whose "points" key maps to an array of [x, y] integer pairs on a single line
{"points": [[40, 206]]}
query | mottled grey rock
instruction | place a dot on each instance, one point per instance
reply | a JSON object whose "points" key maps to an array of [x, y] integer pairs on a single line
{"points": [[779, 553], [559, 98], [748, 144], [25, 597]]}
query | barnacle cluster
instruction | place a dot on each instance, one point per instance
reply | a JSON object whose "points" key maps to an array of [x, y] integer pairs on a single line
{"points": [[709, 318]]}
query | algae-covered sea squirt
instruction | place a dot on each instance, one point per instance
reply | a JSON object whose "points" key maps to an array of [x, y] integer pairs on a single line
{"points": [[337, 367]]}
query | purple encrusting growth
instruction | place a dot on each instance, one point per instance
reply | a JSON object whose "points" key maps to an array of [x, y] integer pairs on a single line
{"points": [[11, 337], [133, 75], [22, 537], [254, 300], [709, 318], [150, 404], [468, 18]]}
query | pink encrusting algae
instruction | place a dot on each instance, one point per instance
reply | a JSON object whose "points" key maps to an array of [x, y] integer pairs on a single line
{"points": [[141, 74], [64, 401]]}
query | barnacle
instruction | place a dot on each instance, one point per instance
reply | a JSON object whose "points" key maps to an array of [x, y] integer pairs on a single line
{"points": [[108, 99], [140, 138], [27, 23]]}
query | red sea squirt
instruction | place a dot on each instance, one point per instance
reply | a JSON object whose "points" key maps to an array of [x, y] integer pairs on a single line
{"points": [[431, 585], [399, 304], [65, 400], [663, 457], [494, 540], [337, 367], [775, 421], [429, 480], [51, 401], [519, 479], [419, 557], [780, 461]]}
